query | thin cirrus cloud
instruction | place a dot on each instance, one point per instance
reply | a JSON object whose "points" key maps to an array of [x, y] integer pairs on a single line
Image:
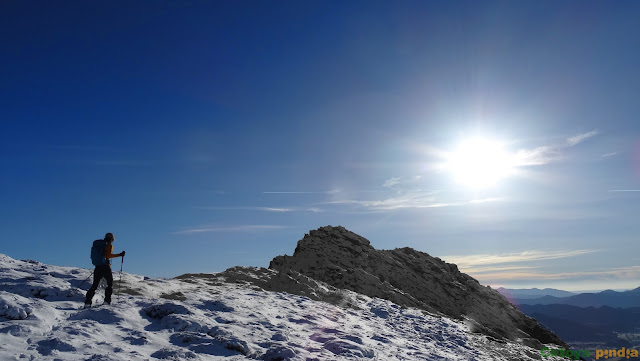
{"points": [[540, 155], [484, 270], [391, 182], [402, 182], [607, 155], [414, 199], [536, 156], [526, 256], [577, 139], [265, 209], [403, 198], [333, 191], [620, 273], [514, 267], [549, 153], [240, 228], [274, 209]]}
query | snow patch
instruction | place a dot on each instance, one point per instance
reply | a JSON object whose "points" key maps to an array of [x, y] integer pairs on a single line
{"points": [[14, 307]]}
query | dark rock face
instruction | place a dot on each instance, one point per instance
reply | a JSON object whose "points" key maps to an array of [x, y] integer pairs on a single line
{"points": [[407, 277]]}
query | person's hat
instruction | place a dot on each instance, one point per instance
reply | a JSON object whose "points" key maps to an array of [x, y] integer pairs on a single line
{"points": [[109, 237]]}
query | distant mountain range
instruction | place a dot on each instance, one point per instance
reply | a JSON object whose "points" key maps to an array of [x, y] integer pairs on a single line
{"points": [[602, 318], [530, 293], [587, 324], [625, 299]]}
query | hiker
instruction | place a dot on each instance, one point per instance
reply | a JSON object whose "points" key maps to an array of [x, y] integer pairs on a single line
{"points": [[102, 261]]}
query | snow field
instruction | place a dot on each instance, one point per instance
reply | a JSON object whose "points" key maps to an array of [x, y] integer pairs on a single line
{"points": [[209, 319]]}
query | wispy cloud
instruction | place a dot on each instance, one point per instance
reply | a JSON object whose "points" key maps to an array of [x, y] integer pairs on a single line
{"points": [[414, 199], [240, 228], [626, 273], [265, 209], [514, 267], [607, 155], [292, 192], [526, 256], [274, 209], [480, 200], [524, 157], [537, 156], [549, 153], [479, 270], [624, 190], [333, 191], [398, 182], [417, 199], [576, 139], [391, 182]]}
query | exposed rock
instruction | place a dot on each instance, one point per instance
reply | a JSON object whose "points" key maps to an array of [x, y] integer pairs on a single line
{"points": [[407, 277]]}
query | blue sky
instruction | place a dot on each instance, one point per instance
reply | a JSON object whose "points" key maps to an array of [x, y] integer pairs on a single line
{"points": [[211, 134]]}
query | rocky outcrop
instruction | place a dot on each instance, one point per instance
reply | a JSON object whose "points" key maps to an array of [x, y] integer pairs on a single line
{"points": [[407, 277]]}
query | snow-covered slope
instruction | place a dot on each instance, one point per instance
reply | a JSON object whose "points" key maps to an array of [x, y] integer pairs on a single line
{"points": [[223, 316]]}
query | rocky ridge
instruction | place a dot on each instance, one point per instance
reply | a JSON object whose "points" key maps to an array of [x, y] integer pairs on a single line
{"points": [[345, 260]]}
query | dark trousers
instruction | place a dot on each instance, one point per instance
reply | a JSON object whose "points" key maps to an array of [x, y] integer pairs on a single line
{"points": [[99, 273]]}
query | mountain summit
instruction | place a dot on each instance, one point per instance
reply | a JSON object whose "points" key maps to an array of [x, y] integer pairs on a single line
{"points": [[345, 260]]}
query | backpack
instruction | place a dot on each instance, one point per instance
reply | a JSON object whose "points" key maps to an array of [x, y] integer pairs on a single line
{"points": [[97, 252]]}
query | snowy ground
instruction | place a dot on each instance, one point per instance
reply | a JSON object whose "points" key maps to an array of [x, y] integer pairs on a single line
{"points": [[207, 319]]}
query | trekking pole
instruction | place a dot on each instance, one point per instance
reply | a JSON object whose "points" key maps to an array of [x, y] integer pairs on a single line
{"points": [[120, 281], [85, 280]]}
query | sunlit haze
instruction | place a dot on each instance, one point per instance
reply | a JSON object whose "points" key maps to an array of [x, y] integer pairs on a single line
{"points": [[479, 162]]}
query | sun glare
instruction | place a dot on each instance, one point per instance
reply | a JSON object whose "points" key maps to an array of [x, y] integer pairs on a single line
{"points": [[479, 163]]}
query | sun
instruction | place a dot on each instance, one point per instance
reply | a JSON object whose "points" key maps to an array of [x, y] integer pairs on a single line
{"points": [[479, 162]]}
